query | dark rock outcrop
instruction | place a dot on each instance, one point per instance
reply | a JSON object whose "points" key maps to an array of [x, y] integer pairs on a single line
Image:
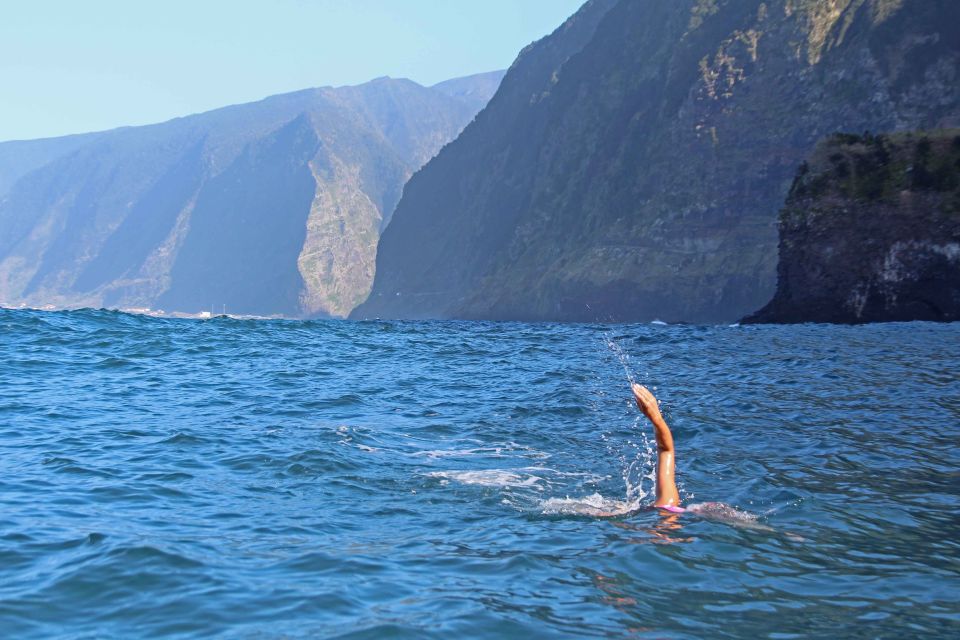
{"points": [[632, 163], [871, 232], [268, 208]]}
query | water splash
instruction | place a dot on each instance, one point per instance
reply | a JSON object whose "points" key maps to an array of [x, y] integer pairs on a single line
{"points": [[594, 505], [636, 460], [622, 356], [633, 377], [642, 466], [500, 478]]}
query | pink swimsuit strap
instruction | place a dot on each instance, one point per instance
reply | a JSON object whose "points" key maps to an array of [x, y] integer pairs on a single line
{"points": [[671, 508]]}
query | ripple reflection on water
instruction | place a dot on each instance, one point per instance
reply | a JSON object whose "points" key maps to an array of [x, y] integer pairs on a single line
{"points": [[302, 479]]}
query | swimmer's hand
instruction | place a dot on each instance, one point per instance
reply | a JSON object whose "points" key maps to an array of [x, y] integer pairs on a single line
{"points": [[646, 401]]}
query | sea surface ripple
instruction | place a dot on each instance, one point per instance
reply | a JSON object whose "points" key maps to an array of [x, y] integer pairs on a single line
{"points": [[284, 479]]}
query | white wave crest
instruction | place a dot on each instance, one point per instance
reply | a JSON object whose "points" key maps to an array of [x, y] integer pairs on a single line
{"points": [[594, 505], [505, 450], [490, 478]]}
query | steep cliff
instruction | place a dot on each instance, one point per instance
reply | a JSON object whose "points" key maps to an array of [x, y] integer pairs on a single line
{"points": [[871, 232], [632, 163], [273, 207]]}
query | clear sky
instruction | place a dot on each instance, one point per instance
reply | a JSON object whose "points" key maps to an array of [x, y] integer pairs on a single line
{"points": [[70, 66]]}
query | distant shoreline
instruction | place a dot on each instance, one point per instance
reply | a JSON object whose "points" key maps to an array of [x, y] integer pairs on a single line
{"points": [[153, 313]]}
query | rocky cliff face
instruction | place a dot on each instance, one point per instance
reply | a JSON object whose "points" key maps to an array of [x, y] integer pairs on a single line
{"points": [[871, 232], [269, 208], [632, 163]]}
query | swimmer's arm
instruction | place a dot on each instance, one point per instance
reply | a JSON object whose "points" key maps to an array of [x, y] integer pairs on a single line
{"points": [[648, 404], [662, 433], [667, 493]]}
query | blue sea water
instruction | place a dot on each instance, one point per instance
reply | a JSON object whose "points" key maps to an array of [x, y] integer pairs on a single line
{"points": [[281, 479]]}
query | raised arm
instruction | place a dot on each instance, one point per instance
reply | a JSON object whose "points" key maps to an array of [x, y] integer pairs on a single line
{"points": [[667, 494]]}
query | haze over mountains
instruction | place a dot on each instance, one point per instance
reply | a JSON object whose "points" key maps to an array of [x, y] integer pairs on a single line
{"points": [[632, 164], [268, 208]]}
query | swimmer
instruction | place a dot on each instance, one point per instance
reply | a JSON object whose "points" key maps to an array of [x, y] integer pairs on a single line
{"points": [[668, 498]]}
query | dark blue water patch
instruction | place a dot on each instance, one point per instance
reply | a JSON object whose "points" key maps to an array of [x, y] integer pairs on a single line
{"points": [[271, 479]]}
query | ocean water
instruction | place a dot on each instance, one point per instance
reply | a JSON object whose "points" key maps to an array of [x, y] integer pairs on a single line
{"points": [[278, 479]]}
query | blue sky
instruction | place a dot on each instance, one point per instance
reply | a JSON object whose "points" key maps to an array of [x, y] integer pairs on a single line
{"points": [[69, 66]]}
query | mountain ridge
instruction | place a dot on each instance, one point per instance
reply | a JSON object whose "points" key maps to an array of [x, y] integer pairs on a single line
{"points": [[103, 222], [639, 177]]}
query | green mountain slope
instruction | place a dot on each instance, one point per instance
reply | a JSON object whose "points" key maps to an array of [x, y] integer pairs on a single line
{"points": [[273, 207], [632, 164]]}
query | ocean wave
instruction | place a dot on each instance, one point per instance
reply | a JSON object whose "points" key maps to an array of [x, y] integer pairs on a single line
{"points": [[594, 505], [215, 487], [490, 478]]}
